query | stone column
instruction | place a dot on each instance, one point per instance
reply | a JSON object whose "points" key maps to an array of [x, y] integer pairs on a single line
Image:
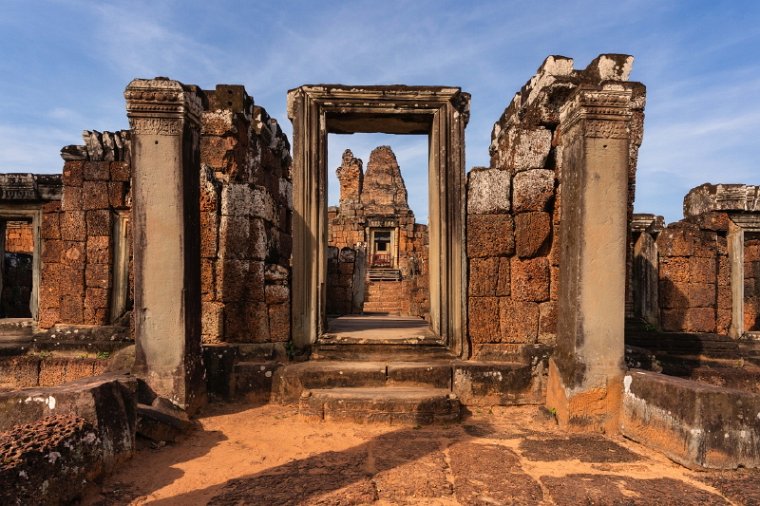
{"points": [[585, 375], [165, 119]]}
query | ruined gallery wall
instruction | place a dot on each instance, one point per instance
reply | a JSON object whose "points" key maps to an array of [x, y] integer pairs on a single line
{"points": [[246, 215], [694, 265], [77, 232], [513, 206]]}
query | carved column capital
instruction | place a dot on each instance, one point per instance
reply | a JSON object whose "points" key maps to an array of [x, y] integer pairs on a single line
{"points": [[160, 106], [603, 113]]}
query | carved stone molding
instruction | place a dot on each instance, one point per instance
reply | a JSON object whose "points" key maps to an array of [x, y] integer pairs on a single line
{"points": [[160, 106], [605, 113]]}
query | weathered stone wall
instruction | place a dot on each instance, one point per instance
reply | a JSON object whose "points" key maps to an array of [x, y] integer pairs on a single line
{"points": [[513, 207], [695, 261], [246, 214], [694, 292], [77, 232], [375, 199]]}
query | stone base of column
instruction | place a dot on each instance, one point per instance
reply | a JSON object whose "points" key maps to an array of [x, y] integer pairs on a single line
{"points": [[592, 406]]}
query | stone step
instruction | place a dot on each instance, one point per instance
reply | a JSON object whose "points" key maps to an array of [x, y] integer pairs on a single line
{"points": [[393, 405], [292, 380], [475, 383]]}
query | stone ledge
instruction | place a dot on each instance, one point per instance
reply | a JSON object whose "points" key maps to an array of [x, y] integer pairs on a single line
{"points": [[694, 424]]}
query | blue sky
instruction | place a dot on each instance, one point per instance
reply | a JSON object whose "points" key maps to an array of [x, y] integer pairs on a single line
{"points": [[65, 65]]}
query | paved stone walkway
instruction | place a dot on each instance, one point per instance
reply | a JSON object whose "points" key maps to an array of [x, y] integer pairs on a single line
{"points": [[268, 455]]}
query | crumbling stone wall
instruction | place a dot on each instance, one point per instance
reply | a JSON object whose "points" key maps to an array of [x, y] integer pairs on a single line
{"points": [[77, 232], [695, 265], [513, 207], [377, 199], [246, 215]]}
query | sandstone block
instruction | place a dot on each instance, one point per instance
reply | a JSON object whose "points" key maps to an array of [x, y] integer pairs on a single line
{"points": [[490, 235], [554, 282], [484, 276], [532, 233], [72, 174], [72, 199], [215, 151], [674, 269], [96, 298], [527, 149], [503, 285], [533, 190], [530, 279], [208, 285], [98, 222], [52, 250], [547, 322], [483, 319], [209, 231], [702, 270], [518, 321], [702, 295], [50, 227], [72, 309], [117, 191], [279, 322], [689, 320], [73, 254], [277, 294], [235, 236], [217, 122], [120, 171], [488, 191], [98, 276], [96, 171], [99, 249], [94, 195], [212, 321]]}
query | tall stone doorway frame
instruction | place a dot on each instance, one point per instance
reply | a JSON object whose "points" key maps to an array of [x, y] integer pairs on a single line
{"points": [[738, 226], [441, 113]]}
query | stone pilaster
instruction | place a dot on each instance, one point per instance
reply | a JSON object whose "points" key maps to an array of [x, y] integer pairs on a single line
{"points": [[585, 376], [164, 116]]}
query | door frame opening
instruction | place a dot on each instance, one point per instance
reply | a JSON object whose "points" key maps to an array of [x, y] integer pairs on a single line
{"points": [[441, 113]]}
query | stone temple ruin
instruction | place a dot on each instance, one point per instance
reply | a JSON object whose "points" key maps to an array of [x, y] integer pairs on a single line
{"points": [[194, 257]]}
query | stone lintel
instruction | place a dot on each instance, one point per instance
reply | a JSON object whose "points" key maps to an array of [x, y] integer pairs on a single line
{"points": [[165, 120], [721, 197]]}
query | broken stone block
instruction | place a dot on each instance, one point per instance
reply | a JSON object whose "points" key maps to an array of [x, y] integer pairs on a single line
{"points": [[488, 191], [161, 421], [532, 190], [532, 233], [490, 235], [530, 279]]}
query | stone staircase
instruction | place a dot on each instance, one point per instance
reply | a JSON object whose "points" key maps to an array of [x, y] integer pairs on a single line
{"points": [[408, 393], [383, 297]]}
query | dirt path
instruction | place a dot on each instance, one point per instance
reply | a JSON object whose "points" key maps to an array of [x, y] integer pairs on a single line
{"points": [[269, 456]]}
